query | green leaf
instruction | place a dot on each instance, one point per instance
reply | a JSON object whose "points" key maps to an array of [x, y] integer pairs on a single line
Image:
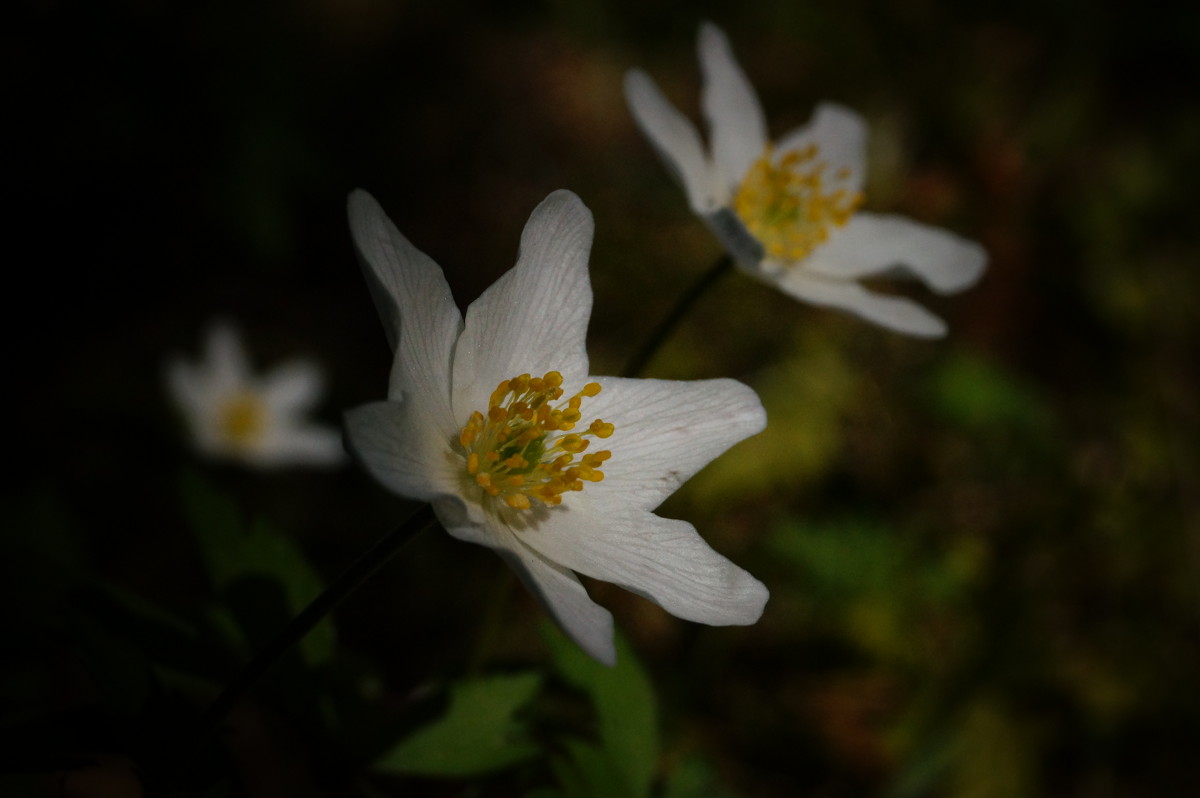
{"points": [[479, 733], [624, 700], [235, 553], [588, 771], [845, 558], [694, 778], [972, 392]]}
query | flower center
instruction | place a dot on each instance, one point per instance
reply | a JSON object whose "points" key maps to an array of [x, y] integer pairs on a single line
{"points": [[241, 420], [515, 451], [787, 206]]}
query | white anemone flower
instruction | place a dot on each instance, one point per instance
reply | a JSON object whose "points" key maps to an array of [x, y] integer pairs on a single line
{"points": [[492, 418], [256, 420], [787, 211]]}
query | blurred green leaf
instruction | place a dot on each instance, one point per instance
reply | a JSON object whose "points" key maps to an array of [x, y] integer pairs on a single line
{"points": [[479, 733], [589, 771], [625, 704], [843, 559], [875, 587], [693, 777], [925, 768], [997, 755], [972, 392], [234, 553]]}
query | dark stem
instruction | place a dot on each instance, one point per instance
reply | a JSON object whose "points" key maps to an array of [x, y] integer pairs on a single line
{"points": [[667, 326], [354, 576]]}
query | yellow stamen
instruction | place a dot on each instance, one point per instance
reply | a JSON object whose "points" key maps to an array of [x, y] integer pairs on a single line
{"points": [[786, 205], [515, 451], [241, 420]]}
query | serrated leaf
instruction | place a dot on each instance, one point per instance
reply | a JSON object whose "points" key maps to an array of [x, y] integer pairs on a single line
{"points": [[479, 733], [624, 700]]}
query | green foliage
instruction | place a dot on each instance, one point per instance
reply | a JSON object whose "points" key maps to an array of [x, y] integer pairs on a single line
{"points": [[970, 391], [626, 717], [481, 731], [584, 770], [854, 560], [693, 777], [248, 563]]}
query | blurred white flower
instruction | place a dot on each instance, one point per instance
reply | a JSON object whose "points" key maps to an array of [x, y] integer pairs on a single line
{"points": [[258, 421], [788, 211], [486, 420]]}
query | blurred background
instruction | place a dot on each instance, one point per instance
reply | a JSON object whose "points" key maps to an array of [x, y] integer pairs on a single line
{"points": [[983, 552]]}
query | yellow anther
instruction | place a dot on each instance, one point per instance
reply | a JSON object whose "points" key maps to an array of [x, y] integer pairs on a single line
{"points": [[601, 429], [517, 451], [787, 206], [572, 443]]}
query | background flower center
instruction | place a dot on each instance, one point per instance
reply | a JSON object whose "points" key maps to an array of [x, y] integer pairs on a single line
{"points": [[241, 420], [787, 206]]}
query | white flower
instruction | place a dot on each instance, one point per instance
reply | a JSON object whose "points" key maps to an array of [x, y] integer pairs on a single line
{"points": [[787, 211], [501, 454], [258, 421]]}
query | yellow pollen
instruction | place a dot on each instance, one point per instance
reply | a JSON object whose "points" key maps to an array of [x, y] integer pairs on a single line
{"points": [[786, 205], [241, 420], [515, 451]]}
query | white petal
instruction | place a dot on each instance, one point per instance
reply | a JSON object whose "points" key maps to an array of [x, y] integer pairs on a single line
{"points": [[841, 139], [302, 445], [735, 117], [295, 385], [560, 592], [893, 312], [873, 244], [674, 138], [585, 621], [666, 431], [225, 359], [534, 318], [186, 385], [397, 445], [416, 306], [663, 559], [466, 521]]}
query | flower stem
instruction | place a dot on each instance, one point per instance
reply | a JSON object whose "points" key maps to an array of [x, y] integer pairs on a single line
{"points": [[667, 326], [354, 576]]}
